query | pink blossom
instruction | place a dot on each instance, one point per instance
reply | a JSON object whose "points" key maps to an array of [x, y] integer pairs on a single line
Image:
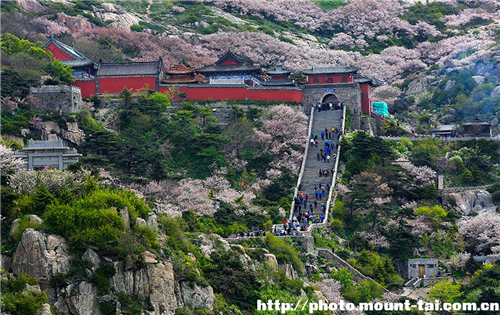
{"points": [[376, 239]]}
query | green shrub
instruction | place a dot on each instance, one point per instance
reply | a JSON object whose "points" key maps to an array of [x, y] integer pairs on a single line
{"points": [[284, 252], [337, 225], [174, 233], [344, 276], [101, 278], [228, 277], [496, 196], [136, 28], [130, 304], [364, 292], [24, 223], [148, 235], [18, 301], [90, 219]]}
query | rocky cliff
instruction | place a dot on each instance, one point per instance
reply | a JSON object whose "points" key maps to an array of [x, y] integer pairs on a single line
{"points": [[70, 284], [472, 201]]}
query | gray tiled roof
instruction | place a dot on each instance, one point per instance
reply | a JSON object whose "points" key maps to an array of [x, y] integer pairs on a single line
{"points": [[476, 120], [371, 80], [130, 68], [330, 70], [227, 68], [278, 83], [278, 70]]}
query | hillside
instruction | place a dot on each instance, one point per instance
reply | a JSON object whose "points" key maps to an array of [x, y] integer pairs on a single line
{"points": [[181, 207], [412, 48]]}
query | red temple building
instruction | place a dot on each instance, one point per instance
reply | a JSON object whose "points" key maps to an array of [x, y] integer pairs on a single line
{"points": [[230, 69], [278, 77], [84, 69], [321, 75], [229, 78], [113, 77]]}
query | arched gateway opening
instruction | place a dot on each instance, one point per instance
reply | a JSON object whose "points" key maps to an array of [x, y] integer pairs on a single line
{"points": [[329, 98]]}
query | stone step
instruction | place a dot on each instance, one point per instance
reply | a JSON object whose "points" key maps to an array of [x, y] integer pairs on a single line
{"points": [[310, 177]]}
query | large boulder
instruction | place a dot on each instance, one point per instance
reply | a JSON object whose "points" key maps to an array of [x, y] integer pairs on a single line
{"points": [[45, 310], [73, 134], [125, 216], [41, 255], [152, 221], [473, 200], [82, 299], [290, 273], [418, 86], [155, 281], [271, 260], [5, 262], [479, 79], [496, 91], [197, 296], [93, 257], [74, 23]]}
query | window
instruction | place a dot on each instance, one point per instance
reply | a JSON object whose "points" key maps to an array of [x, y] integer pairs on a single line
{"points": [[430, 266], [329, 80], [344, 79], [315, 80]]}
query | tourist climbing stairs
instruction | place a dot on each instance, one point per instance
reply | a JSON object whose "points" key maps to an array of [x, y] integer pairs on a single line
{"points": [[310, 176]]}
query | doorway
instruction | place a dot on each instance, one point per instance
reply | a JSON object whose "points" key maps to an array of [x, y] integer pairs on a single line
{"points": [[329, 98], [421, 271]]}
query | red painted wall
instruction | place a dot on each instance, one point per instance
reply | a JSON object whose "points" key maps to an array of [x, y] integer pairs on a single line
{"points": [[273, 95], [237, 93], [87, 87], [366, 98], [57, 53], [229, 62], [279, 77], [116, 85], [324, 79]]}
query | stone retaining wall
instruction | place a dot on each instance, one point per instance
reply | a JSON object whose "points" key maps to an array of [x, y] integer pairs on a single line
{"points": [[55, 98]]}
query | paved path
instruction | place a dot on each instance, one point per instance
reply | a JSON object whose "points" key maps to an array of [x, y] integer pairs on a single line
{"points": [[322, 120]]}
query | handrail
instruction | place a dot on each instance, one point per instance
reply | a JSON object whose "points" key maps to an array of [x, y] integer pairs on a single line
{"points": [[303, 166]]}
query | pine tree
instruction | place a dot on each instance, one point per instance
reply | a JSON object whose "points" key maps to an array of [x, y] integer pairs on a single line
{"points": [[42, 198]]}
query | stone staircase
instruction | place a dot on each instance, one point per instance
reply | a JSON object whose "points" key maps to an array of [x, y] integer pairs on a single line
{"points": [[310, 177]]}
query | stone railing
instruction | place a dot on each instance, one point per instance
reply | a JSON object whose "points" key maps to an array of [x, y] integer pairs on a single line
{"points": [[303, 166], [441, 138], [460, 189], [55, 89]]}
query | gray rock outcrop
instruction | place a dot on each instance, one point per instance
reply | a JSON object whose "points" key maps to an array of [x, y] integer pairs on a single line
{"points": [[155, 281], [473, 200], [93, 257], [125, 216], [45, 310], [80, 299], [41, 255], [197, 296], [290, 273], [479, 79], [496, 91], [418, 86], [152, 221], [74, 23]]}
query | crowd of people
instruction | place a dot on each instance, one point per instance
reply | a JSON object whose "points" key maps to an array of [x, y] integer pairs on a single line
{"points": [[328, 106]]}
